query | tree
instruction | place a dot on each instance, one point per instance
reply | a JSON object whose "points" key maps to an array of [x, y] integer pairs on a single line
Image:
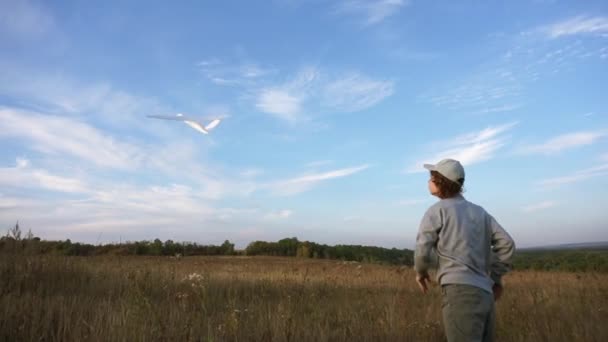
{"points": [[157, 247], [304, 250], [227, 248], [15, 232]]}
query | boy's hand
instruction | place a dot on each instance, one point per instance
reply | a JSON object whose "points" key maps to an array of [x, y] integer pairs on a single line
{"points": [[422, 280], [497, 289]]}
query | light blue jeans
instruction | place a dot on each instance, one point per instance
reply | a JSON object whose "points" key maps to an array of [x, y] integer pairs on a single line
{"points": [[468, 313]]}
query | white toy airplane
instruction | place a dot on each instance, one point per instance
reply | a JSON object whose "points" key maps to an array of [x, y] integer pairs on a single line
{"points": [[190, 122]]}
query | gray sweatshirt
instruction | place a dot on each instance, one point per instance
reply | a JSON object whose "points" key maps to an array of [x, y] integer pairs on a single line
{"points": [[471, 246]]}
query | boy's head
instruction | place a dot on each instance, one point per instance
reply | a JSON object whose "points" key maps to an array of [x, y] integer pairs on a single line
{"points": [[447, 178]]}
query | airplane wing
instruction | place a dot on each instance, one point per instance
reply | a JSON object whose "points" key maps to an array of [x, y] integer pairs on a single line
{"points": [[212, 124], [197, 126], [168, 117]]}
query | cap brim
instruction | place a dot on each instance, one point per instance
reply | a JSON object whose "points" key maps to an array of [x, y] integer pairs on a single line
{"points": [[430, 167]]}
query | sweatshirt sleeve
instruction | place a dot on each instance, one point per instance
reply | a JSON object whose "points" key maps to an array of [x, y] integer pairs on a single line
{"points": [[427, 238], [503, 248]]}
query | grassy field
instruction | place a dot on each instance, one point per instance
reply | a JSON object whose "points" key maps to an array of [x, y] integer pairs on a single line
{"points": [[52, 298]]}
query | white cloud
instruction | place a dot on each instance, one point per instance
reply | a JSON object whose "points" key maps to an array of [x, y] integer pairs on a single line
{"points": [[55, 93], [343, 93], [172, 200], [11, 202], [54, 135], [355, 92], [253, 71], [499, 109], [22, 163], [576, 26], [231, 214], [104, 204], [539, 206], [304, 183], [251, 172], [279, 215], [70, 142], [564, 142], [373, 11], [280, 103], [581, 175], [285, 101], [469, 148], [224, 73], [177, 198], [22, 176]]}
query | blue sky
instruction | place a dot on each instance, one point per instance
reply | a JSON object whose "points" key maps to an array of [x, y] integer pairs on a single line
{"points": [[328, 108]]}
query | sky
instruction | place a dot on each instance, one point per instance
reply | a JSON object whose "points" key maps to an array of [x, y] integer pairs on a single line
{"points": [[328, 108]]}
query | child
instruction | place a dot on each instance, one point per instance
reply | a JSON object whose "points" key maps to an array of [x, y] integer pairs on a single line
{"points": [[474, 252]]}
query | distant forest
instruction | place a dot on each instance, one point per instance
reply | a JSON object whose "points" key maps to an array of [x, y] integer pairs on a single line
{"points": [[573, 260]]}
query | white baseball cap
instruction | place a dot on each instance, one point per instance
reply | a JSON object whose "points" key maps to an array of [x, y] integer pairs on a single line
{"points": [[449, 168]]}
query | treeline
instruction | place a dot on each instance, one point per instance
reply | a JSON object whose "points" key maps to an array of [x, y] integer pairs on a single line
{"points": [[571, 260], [14, 242], [291, 247], [306, 249], [156, 247]]}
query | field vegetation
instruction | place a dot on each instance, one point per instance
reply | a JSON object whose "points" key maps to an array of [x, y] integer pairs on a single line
{"points": [[46, 295], [240, 298]]}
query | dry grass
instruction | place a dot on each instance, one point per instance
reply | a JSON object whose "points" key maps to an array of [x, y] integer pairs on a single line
{"points": [[270, 298]]}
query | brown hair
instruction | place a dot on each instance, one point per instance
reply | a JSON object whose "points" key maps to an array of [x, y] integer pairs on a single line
{"points": [[446, 187]]}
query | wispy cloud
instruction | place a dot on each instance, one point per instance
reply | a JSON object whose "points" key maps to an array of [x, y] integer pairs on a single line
{"points": [[173, 198], [372, 11], [539, 206], [240, 74], [280, 103], [69, 142], [23, 176], [312, 91], [565, 142], [486, 91], [23, 18], [60, 94], [355, 92], [278, 215], [577, 26], [499, 85], [54, 135], [304, 183], [14, 202], [251, 172], [285, 101], [469, 148], [499, 109], [145, 211], [168, 200], [578, 176]]}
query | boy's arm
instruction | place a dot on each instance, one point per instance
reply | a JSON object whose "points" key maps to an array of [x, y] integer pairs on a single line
{"points": [[427, 240], [503, 248]]}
